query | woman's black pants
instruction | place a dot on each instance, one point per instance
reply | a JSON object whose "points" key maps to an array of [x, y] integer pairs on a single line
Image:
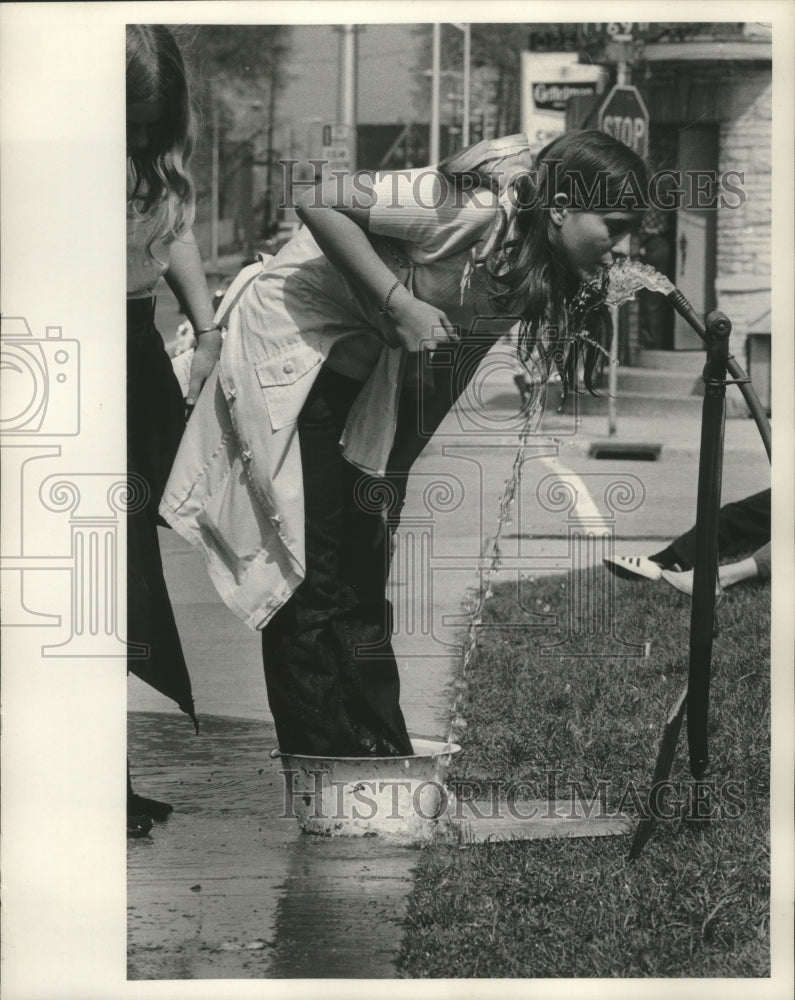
{"points": [[331, 674]]}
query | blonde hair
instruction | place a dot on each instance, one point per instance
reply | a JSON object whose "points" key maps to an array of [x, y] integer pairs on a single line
{"points": [[161, 183]]}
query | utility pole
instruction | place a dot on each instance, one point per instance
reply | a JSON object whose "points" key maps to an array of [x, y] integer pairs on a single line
{"points": [[436, 72], [465, 111], [267, 222], [433, 141], [215, 180], [348, 84], [622, 78]]}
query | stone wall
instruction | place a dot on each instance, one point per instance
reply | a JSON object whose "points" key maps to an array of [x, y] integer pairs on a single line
{"points": [[743, 282], [738, 97]]}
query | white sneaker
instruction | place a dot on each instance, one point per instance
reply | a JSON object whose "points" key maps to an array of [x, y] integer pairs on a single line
{"points": [[630, 567]]}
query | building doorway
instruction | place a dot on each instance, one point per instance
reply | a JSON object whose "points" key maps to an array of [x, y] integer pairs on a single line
{"points": [[696, 230]]}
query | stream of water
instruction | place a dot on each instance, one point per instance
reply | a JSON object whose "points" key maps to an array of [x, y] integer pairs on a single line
{"points": [[625, 278]]}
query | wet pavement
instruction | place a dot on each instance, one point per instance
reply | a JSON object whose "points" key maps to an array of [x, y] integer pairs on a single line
{"points": [[228, 887]]}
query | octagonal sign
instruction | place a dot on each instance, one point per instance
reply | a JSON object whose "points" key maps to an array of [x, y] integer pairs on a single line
{"points": [[624, 116]]}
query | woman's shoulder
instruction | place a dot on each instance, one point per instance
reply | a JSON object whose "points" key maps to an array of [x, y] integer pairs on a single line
{"points": [[427, 188], [428, 209]]}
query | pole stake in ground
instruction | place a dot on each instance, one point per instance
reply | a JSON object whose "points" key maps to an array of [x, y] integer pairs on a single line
{"points": [[705, 568], [695, 698]]}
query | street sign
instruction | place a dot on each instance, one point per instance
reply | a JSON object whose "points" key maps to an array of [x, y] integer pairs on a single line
{"points": [[624, 116], [554, 96], [336, 150], [549, 80]]}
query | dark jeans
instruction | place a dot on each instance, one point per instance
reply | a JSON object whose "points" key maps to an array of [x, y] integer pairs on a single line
{"points": [[332, 680], [742, 526]]}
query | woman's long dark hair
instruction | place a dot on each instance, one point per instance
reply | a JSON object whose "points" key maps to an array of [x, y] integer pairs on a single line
{"points": [[524, 274], [160, 178]]}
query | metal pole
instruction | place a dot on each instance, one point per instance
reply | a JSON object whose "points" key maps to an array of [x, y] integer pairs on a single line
{"points": [[268, 221], [705, 562], [612, 375], [467, 73], [214, 182], [687, 312], [346, 94], [433, 141]]}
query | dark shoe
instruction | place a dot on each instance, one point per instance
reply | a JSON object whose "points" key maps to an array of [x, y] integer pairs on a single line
{"points": [[140, 805], [138, 825]]}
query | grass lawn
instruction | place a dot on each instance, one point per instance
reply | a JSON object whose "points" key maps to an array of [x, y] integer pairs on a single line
{"points": [[696, 903]]}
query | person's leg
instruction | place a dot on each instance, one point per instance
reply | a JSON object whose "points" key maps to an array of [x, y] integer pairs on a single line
{"points": [[762, 558], [324, 700], [654, 308], [741, 525], [755, 566], [363, 628], [155, 422]]}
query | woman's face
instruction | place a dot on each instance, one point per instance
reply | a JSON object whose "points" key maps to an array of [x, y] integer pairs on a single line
{"points": [[588, 239], [143, 120]]}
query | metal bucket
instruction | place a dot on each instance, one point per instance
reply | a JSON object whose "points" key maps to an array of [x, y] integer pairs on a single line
{"points": [[402, 799]]}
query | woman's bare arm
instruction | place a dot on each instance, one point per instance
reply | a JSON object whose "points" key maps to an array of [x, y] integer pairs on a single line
{"points": [[339, 222], [185, 276]]}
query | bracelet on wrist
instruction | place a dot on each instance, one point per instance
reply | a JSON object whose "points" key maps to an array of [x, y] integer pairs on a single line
{"points": [[206, 329], [385, 307]]}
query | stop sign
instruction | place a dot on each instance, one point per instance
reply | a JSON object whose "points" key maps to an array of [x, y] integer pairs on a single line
{"points": [[624, 116]]}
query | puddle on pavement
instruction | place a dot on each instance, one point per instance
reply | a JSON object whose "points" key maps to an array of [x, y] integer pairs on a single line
{"points": [[228, 887]]}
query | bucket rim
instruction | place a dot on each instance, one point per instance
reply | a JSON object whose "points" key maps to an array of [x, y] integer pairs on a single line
{"points": [[448, 749]]}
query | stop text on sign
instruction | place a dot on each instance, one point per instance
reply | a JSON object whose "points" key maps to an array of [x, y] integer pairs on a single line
{"points": [[630, 131], [623, 115]]}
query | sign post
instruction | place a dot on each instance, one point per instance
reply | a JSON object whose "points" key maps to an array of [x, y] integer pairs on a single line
{"points": [[336, 147], [624, 116]]}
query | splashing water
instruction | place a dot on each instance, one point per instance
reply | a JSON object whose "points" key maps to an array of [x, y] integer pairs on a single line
{"points": [[626, 277], [493, 562]]}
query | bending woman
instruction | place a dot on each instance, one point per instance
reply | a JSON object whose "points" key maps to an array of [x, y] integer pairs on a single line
{"points": [[292, 472]]}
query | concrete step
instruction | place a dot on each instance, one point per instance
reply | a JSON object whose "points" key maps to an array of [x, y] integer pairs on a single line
{"points": [[640, 404], [658, 382], [672, 361]]}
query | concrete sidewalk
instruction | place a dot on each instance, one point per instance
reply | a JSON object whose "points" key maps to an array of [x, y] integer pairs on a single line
{"points": [[226, 832]]}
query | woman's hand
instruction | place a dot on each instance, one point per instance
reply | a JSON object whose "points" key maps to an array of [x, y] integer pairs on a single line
{"points": [[417, 324], [185, 277], [205, 358]]}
